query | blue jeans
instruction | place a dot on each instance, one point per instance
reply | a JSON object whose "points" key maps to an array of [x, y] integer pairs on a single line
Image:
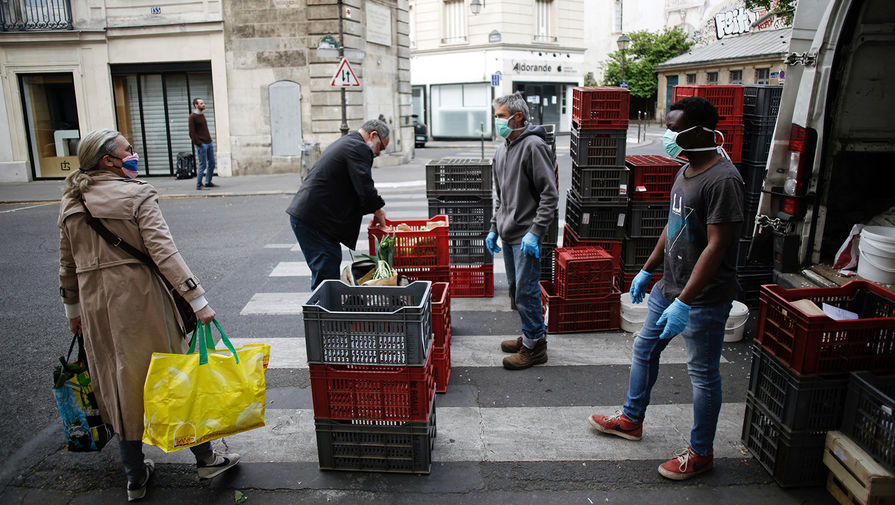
{"points": [[206, 163], [704, 336], [323, 254], [523, 274]]}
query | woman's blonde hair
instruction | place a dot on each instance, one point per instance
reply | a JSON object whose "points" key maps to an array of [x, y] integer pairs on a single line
{"points": [[91, 149]]}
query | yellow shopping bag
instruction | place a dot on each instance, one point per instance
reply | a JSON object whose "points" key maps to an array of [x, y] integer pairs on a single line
{"points": [[189, 399]]}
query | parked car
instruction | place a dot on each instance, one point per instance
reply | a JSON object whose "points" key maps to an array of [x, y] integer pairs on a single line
{"points": [[420, 132]]}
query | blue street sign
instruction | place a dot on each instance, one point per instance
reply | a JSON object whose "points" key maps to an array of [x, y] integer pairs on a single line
{"points": [[495, 80], [624, 84]]}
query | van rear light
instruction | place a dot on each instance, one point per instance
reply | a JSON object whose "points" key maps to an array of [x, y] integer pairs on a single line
{"points": [[801, 156]]}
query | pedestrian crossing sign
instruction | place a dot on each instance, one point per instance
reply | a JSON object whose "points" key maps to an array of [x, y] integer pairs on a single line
{"points": [[344, 77]]}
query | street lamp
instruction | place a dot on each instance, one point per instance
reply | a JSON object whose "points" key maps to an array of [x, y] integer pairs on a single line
{"points": [[475, 6], [623, 42]]}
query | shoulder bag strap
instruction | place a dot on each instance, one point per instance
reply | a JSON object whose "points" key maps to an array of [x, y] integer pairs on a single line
{"points": [[116, 241]]}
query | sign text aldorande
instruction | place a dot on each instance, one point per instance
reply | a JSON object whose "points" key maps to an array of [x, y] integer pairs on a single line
{"points": [[527, 67]]}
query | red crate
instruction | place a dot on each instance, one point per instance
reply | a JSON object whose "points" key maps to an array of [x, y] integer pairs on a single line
{"points": [[651, 177], [581, 314], [613, 247], [820, 345], [431, 274], [442, 362], [373, 393], [441, 313], [419, 247], [601, 108], [583, 272], [733, 140], [728, 99], [472, 281], [625, 279]]}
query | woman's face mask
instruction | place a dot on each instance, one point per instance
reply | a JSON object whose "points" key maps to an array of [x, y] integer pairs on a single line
{"points": [[130, 165], [669, 142]]}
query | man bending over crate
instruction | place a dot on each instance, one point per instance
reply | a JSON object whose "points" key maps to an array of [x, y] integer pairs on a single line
{"points": [[694, 296], [339, 190], [524, 208]]}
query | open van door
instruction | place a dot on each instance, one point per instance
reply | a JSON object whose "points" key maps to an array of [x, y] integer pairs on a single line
{"points": [[832, 158]]}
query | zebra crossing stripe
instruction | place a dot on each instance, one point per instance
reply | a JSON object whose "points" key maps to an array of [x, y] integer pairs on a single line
{"points": [[275, 304], [585, 349], [556, 433]]}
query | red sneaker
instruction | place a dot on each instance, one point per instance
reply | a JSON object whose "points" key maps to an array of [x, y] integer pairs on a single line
{"points": [[685, 465], [617, 425]]}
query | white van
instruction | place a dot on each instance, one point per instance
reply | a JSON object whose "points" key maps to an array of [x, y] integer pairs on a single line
{"points": [[832, 159]]}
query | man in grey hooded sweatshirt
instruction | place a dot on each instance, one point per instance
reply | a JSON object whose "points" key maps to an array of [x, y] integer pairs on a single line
{"points": [[524, 207]]}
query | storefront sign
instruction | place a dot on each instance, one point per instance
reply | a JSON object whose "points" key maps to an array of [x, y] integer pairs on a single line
{"points": [[533, 67], [735, 22], [58, 166]]}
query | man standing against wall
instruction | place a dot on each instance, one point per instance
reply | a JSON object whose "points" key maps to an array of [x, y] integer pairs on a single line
{"points": [[201, 138], [524, 207], [332, 201]]}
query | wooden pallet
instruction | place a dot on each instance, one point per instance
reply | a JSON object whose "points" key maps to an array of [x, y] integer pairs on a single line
{"points": [[855, 478]]}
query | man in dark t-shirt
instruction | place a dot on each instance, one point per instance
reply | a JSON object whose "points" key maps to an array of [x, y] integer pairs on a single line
{"points": [[694, 296]]}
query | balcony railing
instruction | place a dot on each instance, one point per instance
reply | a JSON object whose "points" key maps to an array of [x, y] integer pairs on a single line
{"points": [[35, 15]]}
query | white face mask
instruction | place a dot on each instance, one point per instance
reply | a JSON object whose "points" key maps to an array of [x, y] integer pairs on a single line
{"points": [[669, 142]]}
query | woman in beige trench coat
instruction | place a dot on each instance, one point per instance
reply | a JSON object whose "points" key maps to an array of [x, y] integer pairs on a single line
{"points": [[121, 306]]}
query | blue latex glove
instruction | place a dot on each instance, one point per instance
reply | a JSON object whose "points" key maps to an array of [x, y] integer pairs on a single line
{"points": [[639, 284], [491, 243], [674, 318], [530, 245]]}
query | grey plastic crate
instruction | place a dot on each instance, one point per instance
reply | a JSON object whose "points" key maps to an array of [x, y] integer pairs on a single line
{"points": [[762, 99], [598, 148], [600, 185], [468, 248], [459, 175], [376, 446], [467, 212], [368, 325]]}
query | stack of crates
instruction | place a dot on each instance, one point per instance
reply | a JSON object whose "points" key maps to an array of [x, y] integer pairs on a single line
{"points": [[650, 190], [372, 376], [799, 383], [584, 297], [728, 99], [760, 107], [548, 242], [598, 199], [461, 189]]}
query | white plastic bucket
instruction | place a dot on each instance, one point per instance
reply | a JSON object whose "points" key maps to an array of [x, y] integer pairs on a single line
{"points": [[876, 260], [633, 315], [736, 322], [631, 325]]}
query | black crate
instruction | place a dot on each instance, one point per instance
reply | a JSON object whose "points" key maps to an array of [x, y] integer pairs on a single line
{"points": [[598, 148], [552, 231], [459, 175], [753, 175], [635, 252], [762, 99], [376, 446], [469, 249], [793, 458], [757, 135], [594, 221], [750, 209], [799, 402], [870, 415], [547, 262], [600, 185], [647, 219], [467, 213], [751, 278]]}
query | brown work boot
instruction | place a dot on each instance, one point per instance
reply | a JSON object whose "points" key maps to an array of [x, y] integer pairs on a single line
{"points": [[512, 345], [526, 357]]}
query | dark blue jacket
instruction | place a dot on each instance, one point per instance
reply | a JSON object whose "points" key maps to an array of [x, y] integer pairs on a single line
{"points": [[338, 191]]}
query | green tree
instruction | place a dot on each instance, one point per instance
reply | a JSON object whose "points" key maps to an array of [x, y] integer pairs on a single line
{"points": [[646, 50], [786, 9]]}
